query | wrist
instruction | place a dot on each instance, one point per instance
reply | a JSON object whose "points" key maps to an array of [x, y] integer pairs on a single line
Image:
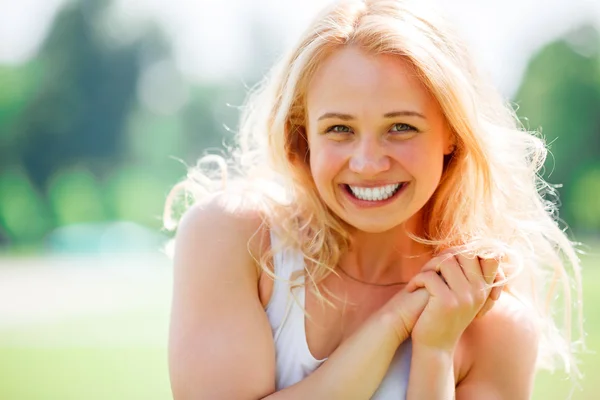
{"points": [[431, 373], [438, 344], [389, 321], [435, 355]]}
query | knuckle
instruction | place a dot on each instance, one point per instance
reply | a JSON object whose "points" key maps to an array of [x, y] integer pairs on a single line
{"points": [[447, 258], [479, 297], [467, 300], [429, 275], [453, 261], [480, 289], [452, 304]]}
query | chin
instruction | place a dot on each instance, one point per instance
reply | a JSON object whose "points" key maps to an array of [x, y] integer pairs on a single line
{"points": [[371, 226]]}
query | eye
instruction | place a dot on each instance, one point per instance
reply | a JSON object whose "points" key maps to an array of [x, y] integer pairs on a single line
{"points": [[338, 129], [403, 128]]}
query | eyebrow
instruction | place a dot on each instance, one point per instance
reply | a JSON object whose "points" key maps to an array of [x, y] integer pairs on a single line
{"points": [[393, 114]]}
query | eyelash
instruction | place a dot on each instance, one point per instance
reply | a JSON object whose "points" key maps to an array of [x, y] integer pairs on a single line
{"points": [[410, 128]]}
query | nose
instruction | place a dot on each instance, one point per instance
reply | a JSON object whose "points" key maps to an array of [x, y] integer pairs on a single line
{"points": [[369, 158]]}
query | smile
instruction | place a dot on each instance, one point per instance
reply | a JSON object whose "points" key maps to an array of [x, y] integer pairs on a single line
{"points": [[375, 193]]}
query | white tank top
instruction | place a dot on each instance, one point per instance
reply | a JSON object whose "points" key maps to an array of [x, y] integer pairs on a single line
{"points": [[294, 359]]}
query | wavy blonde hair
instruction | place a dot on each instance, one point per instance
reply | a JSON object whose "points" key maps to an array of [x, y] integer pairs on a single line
{"points": [[490, 195]]}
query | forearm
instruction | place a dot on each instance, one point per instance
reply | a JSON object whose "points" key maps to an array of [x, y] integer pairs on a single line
{"points": [[355, 369], [431, 374]]}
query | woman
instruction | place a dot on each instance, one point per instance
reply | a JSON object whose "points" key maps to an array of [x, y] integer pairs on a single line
{"points": [[381, 183]]}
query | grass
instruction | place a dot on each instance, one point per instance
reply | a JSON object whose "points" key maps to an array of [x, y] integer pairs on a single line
{"points": [[83, 373], [557, 386], [121, 354]]}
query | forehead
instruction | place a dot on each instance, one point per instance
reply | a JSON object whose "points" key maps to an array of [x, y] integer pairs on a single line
{"points": [[350, 79]]}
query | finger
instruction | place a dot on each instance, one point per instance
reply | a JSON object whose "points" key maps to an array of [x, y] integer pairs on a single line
{"points": [[435, 263], [495, 293], [471, 266], [497, 290], [431, 281], [489, 268], [453, 274], [489, 304]]}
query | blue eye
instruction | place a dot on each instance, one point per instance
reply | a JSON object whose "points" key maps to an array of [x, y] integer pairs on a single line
{"points": [[402, 128], [338, 129]]}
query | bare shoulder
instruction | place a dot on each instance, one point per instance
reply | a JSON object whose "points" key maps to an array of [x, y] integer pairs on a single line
{"points": [[221, 221], [500, 352], [509, 321]]}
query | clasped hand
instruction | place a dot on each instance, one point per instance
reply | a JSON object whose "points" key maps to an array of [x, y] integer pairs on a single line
{"points": [[459, 291], [440, 302]]}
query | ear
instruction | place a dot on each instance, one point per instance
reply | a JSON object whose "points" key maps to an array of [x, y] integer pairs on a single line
{"points": [[449, 141], [450, 148]]}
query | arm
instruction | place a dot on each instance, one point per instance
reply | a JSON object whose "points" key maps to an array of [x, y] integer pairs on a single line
{"points": [[357, 367], [458, 288], [354, 370], [221, 344], [431, 374], [504, 347]]}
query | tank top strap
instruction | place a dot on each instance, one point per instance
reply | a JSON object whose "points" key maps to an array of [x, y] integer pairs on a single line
{"points": [[286, 262]]}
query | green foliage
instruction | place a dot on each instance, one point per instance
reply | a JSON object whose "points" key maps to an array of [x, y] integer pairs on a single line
{"points": [[560, 95], [75, 197], [584, 200], [23, 213], [211, 118], [84, 96], [19, 86], [137, 195], [151, 137], [100, 128]]}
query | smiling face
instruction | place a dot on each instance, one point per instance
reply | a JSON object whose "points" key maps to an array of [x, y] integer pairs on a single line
{"points": [[377, 139]]}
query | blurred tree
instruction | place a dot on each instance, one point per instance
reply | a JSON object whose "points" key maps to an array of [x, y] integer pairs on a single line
{"points": [[560, 95], [24, 215], [136, 194], [75, 197], [94, 120], [211, 117], [66, 111], [585, 199], [85, 94], [19, 85]]}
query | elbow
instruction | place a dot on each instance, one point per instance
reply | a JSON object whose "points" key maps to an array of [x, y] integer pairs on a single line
{"points": [[192, 388]]}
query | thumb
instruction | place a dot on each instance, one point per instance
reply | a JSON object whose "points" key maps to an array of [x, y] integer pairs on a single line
{"points": [[418, 299]]}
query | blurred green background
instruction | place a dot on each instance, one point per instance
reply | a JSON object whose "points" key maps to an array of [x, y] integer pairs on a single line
{"points": [[100, 121]]}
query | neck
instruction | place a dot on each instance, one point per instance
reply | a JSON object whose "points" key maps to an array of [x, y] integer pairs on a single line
{"points": [[390, 256]]}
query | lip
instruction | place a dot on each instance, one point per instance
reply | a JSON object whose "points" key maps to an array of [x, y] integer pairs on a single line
{"points": [[373, 184], [372, 204]]}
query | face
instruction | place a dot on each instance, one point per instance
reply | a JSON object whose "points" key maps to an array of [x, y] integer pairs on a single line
{"points": [[377, 139]]}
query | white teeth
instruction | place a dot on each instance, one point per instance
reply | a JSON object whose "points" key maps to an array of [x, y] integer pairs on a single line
{"points": [[375, 194]]}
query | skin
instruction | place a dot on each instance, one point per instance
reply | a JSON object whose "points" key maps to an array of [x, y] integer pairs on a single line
{"points": [[219, 331], [352, 142], [368, 148], [372, 149]]}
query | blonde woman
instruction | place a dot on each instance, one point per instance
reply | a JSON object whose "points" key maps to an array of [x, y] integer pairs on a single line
{"points": [[349, 247]]}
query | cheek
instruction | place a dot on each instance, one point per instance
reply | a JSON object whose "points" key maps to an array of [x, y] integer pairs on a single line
{"points": [[423, 161], [326, 160]]}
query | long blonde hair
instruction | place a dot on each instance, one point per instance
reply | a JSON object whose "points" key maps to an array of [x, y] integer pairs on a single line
{"points": [[490, 195]]}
